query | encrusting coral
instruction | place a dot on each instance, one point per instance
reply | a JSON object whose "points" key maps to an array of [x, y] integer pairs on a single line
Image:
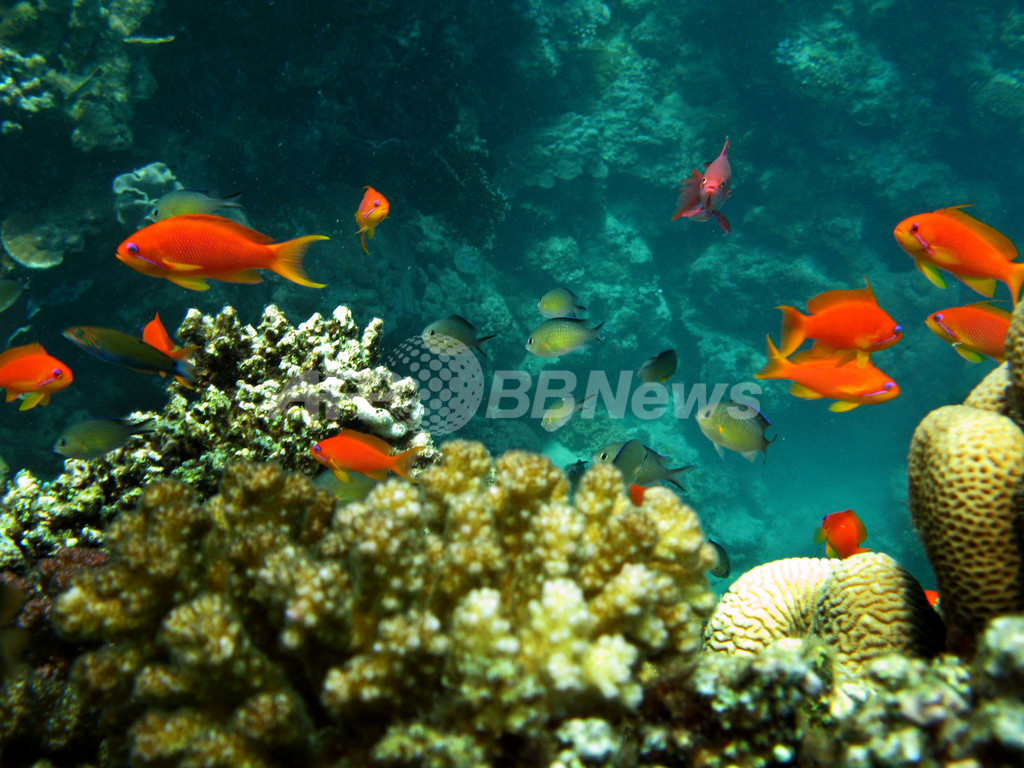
{"points": [[445, 623], [263, 393]]}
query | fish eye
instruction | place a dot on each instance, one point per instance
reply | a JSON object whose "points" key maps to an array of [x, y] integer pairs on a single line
{"points": [[132, 248], [316, 449], [57, 373], [939, 317], [376, 203], [604, 456], [62, 442], [529, 342], [888, 386], [432, 332], [898, 329], [914, 227]]}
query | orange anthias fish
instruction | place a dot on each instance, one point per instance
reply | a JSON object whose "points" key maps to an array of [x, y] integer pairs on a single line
{"points": [[30, 372], [976, 253], [844, 320], [156, 335], [352, 451], [188, 250], [372, 211], [842, 533], [975, 330], [815, 377], [703, 194]]}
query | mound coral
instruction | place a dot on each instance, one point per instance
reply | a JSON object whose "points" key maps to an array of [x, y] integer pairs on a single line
{"points": [[477, 614]]}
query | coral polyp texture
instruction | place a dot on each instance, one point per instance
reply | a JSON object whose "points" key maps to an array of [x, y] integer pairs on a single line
{"points": [[264, 392], [470, 618], [965, 470], [863, 607]]}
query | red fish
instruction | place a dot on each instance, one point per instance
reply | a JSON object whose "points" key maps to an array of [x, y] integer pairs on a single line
{"points": [[372, 211], [975, 330], [845, 320], [352, 451], [933, 598], [976, 253], [190, 249], [156, 335], [30, 372], [815, 377], [842, 533], [636, 494], [703, 194]]}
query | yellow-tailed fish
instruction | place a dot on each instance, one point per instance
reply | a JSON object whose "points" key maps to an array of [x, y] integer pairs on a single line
{"points": [[735, 426], [649, 465], [179, 202], [439, 334], [357, 487], [561, 335], [659, 368], [560, 302], [559, 414], [93, 438], [722, 567], [10, 290]]}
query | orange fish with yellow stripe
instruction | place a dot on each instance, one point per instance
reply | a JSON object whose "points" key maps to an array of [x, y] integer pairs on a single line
{"points": [[188, 250]]}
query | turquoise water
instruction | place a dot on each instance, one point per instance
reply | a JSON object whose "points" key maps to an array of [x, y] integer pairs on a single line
{"points": [[530, 145]]}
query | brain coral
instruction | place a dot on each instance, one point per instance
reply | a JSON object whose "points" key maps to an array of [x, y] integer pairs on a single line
{"points": [[444, 623]]}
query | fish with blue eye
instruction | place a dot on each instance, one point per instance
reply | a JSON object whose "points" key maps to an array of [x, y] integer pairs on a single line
{"points": [[121, 348]]}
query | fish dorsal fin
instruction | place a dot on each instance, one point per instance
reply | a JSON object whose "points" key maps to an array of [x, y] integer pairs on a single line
{"points": [[834, 298], [994, 237], [989, 308], [371, 441], [228, 225], [17, 353]]}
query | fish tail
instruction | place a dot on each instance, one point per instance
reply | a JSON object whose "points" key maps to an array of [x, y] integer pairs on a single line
{"points": [[794, 330], [1015, 280], [775, 368], [670, 476], [362, 239], [287, 261], [402, 463], [596, 329], [183, 369]]}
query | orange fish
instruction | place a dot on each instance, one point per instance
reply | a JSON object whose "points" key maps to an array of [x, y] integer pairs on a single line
{"points": [[636, 494], [351, 451], [815, 377], [190, 249], [842, 533], [30, 372], [704, 193], [846, 320], [156, 335], [933, 598], [975, 330], [976, 253], [372, 211]]}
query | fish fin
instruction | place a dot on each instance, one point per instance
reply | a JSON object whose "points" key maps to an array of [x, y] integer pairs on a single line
{"points": [[345, 477], [839, 296], [1015, 280], [863, 358], [841, 406], [362, 239], [721, 451], [794, 330], [931, 272], [776, 366], [689, 195], [749, 455], [722, 221], [287, 261], [844, 356], [16, 353], [800, 390], [183, 369], [819, 536], [244, 276], [192, 283], [402, 463], [32, 399], [992, 236], [967, 354], [830, 551], [670, 475], [986, 286], [11, 395]]}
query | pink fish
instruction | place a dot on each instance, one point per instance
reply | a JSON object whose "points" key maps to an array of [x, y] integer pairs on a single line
{"points": [[703, 194]]}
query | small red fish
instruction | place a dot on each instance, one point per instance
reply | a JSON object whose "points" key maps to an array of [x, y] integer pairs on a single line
{"points": [[842, 533], [933, 598], [951, 240], [30, 372], [703, 194], [352, 451], [847, 321], [636, 494], [192, 248], [373, 209], [975, 330], [156, 335]]}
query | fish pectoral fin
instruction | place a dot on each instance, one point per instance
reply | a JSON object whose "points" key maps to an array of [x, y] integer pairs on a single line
{"points": [[342, 475], [721, 451], [32, 399], [931, 272], [11, 395], [195, 283], [841, 406], [801, 390], [967, 354], [749, 455], [986, 286]]}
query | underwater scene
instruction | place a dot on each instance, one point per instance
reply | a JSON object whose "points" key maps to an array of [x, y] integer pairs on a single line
{"points": [[534, 383]]}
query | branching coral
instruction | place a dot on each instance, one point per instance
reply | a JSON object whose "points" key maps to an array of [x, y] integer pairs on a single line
{"points": [[467, 615]]}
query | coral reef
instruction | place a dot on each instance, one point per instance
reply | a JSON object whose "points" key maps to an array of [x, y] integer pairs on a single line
{"points": [[478, 614], [265, 393]]}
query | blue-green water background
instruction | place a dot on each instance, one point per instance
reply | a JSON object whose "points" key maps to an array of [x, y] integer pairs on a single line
{"points": [[525, 145]]}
